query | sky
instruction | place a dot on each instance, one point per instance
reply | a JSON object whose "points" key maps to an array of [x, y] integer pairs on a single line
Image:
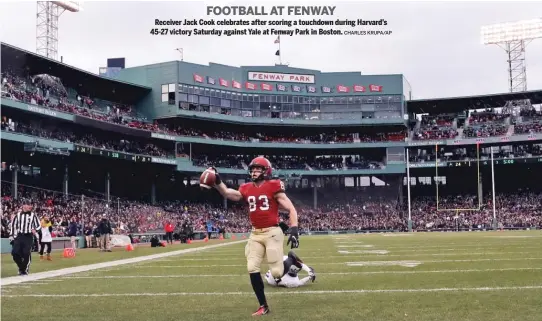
{"points": [[436, 45]]}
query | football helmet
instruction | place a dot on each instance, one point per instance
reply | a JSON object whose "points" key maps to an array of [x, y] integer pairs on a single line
{"points": [[264, 164], [293, 271]]}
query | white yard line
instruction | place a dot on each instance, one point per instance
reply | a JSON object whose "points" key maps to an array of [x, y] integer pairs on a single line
{"points": [[335, 263], [350, 255], [318, 273], [83, 268], [348, 246], [282, 293], [396, 249]]}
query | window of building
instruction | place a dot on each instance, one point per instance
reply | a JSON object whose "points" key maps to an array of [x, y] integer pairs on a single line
{"points": [[168, 94]]}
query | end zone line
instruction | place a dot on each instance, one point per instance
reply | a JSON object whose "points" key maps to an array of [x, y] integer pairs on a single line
{"points": [[84, 268], [282, 293]]}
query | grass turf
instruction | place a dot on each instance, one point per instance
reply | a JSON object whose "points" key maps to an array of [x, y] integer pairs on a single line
{"points": [[90, 256], [458, 276]]}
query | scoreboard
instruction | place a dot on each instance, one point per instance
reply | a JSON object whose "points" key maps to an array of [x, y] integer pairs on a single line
{"points": [[112, 154], [473, 163]]}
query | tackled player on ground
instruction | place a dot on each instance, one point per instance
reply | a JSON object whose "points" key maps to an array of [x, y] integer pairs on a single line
{"points": [[292, 266]]}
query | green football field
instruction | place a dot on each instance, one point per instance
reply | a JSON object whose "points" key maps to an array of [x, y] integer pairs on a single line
{"points": [[422, 276]]}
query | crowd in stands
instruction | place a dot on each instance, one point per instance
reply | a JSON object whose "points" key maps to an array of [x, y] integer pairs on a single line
{"points": [[486, 124], [351, 212], [355, 213], [459, 153], [531, 122], [132, 146], [47, 91], [520, 210], [528, 128], [125, 216], [487, 116], [53, 95], [435, 127], [289, 162], [84, 138]]}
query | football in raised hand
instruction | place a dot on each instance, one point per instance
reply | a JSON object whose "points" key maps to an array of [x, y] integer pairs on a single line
{"points": [[208, 178]]}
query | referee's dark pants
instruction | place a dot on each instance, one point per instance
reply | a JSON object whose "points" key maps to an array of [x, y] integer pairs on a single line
{"points": [[21, 251]]}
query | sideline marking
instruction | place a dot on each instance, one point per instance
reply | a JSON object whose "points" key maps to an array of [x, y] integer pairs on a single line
{"points": [[83, 268], [282, 293], [320, 273]]}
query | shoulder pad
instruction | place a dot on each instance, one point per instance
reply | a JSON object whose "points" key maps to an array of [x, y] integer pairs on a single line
{"points": [[278, 185]]}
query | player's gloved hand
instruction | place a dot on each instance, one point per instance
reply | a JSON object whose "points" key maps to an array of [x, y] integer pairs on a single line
{"points": [[11, 239], [217, 177], [294, 237], [284, 227], [312, 275]]}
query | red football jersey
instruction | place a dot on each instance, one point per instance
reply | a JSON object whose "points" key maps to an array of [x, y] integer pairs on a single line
{"points": [[262, 206]]}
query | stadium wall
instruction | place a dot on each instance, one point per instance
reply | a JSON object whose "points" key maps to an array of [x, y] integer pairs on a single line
{"points": [[57, 244], [153, 76], [222, 77]]}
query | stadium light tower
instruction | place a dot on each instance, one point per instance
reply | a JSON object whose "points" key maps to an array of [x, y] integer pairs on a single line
{"points": [[513, 37], [47, 25]]}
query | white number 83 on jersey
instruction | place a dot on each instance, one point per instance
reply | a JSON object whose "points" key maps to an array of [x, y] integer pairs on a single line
{"points": [[253, 206]]}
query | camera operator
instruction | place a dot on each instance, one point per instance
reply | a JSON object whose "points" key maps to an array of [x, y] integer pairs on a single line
{"points": [[155, 242], [183, 233]]}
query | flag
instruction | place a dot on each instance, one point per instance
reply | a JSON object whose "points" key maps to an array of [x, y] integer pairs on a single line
{"points": [[277, 53], [277, 40]]}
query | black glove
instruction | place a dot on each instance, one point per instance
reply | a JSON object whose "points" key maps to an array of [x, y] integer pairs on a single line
{"points": [[312, 275], [294, 237], [217, 177], [284, 227]]}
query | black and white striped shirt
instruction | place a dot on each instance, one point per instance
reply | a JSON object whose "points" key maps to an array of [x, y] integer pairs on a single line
{"points": [[24, 223]]}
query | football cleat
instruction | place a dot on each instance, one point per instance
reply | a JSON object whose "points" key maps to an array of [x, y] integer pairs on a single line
{"points": [[263, 310]]}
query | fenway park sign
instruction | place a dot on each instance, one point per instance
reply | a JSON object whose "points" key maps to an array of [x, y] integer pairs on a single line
{"points": [[279, 77]]}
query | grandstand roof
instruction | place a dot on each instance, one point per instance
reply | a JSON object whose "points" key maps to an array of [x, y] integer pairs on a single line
{"points": [[84, 82], [457, 104]]}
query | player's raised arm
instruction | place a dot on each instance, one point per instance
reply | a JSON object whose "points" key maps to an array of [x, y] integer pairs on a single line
{"points": [[210, 178], [229, 193]]}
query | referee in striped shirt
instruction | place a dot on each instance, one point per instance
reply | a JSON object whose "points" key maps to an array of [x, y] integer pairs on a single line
{"points": [[24, 224]]}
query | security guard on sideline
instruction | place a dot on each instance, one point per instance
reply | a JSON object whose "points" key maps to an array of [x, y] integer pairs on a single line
{"points": [[23, 226]]}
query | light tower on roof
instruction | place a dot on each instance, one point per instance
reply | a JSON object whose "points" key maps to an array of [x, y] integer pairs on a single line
{"points": [[513, 37], [47, 25]]}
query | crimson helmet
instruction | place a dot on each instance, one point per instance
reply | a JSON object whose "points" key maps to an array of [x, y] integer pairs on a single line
{"points": [[264, 164]]}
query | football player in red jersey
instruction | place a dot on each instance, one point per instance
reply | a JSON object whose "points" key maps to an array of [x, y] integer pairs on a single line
{"points": [[264, 196]]}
